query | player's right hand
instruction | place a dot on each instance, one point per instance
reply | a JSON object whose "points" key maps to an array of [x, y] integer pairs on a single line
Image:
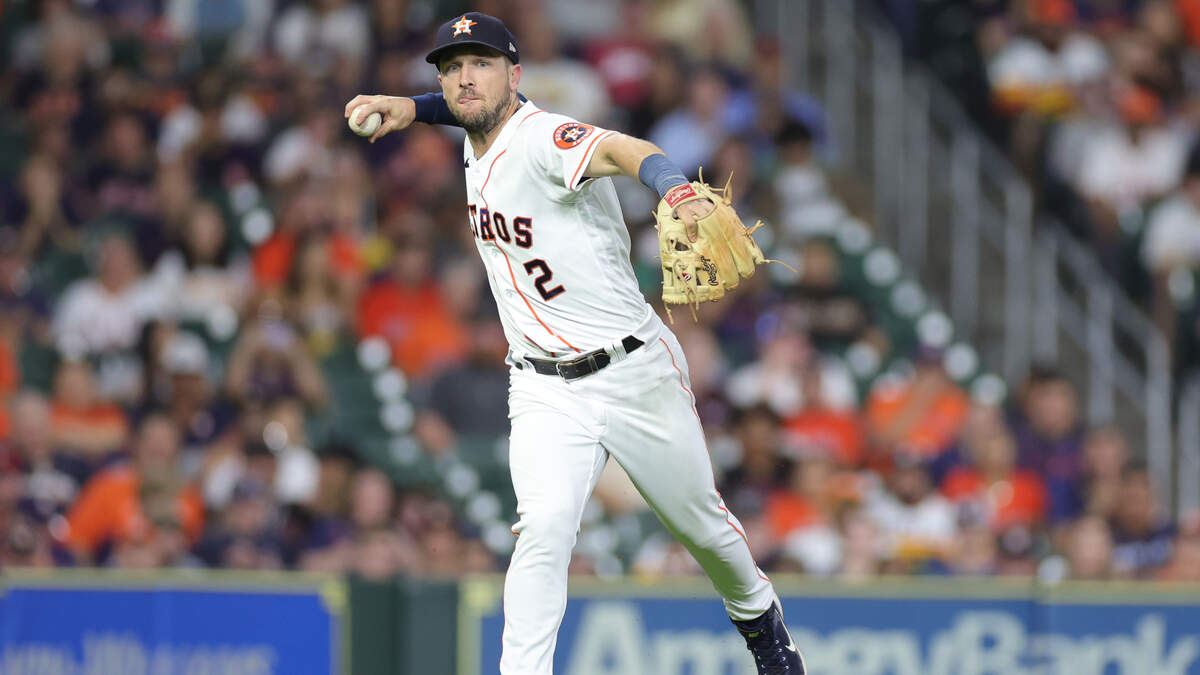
{"points": [[398, 112]]}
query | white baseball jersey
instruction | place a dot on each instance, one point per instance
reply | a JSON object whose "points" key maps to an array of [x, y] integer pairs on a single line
{"points": [[556, 252], [554, 243]]}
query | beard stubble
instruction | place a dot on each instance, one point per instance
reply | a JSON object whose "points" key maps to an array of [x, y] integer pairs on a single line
{"points": [[485, 120]]}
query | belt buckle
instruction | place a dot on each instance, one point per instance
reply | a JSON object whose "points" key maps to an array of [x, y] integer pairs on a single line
{"points": [[589, 358]]}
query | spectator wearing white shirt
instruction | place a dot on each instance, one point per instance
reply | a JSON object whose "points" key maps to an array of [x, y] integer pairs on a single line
{"points": [[916, 523], [775, 378], [557, 82], [1123, 167], [203, 272], [1041, 72], [220, 115], [1172, 238], [306, 149], [1138, 160], [1051, 70], [807, 207], [1172, 241], [106, 312], [317, 34]]}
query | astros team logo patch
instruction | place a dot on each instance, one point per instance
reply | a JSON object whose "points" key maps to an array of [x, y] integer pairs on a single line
{"points": [[463, 25], [571, 134]]}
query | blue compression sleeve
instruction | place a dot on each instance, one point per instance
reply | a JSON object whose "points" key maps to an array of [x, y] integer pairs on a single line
{"points": [[660, 174], [432, 109]]}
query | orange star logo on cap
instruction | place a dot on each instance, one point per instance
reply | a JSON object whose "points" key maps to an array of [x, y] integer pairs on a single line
{"points": [[463, 25]]}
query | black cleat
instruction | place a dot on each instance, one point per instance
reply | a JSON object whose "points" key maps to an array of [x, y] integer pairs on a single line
{"points": [[767, 638]]}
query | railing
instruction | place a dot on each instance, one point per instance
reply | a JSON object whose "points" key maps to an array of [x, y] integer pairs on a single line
{"points": [[1188, 467], [962, 221]]}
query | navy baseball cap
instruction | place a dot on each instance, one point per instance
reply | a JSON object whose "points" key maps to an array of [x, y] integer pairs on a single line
{"points": [[475, 28]]}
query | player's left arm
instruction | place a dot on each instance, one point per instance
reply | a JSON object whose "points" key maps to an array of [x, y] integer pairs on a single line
{"points": [[621, 154]]}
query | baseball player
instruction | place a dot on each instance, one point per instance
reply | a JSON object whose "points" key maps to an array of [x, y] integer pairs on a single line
{"points": [[594, 371]]}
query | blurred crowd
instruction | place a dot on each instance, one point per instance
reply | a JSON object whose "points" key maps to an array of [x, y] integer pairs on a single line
{"points": [[1098, 102], [196, 256]]}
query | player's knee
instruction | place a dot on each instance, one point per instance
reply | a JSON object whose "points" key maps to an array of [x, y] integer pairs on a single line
{"points": [[551, 528]]}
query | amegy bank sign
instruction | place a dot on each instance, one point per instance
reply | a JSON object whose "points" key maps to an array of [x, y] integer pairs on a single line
{"points": [[899, 630], [613, 637]]}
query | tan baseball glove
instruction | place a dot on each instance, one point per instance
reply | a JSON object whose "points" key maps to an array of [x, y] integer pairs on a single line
{"points": [[723, 253]]}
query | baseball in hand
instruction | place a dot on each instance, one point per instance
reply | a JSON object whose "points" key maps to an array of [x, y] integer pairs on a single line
{"points": [[368, 126]]}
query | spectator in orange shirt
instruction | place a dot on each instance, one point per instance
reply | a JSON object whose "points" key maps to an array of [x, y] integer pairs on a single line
{"points": [[10, 373], [1008, 496], [83, 422], [307, 212], [804, 501], [127, 502], [408, 309], [804, 516], [924, 414], [1189, 15], [818, 427], [274, 259]]}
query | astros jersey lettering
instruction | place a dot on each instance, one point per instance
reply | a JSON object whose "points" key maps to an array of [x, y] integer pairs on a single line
{"points": [[554, 243]]}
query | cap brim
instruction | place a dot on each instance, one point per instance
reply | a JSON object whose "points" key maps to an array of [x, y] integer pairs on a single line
{"points": [[432, 57]]}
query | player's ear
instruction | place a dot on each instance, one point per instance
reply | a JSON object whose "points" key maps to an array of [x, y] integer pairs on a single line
{"points": [[514, 76]]}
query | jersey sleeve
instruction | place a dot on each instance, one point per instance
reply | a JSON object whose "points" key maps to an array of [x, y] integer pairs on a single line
{"points": [[432, 108], [563, 147]]}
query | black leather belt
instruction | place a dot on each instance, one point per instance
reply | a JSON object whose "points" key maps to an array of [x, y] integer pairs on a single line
{"points": [[583, 365]]}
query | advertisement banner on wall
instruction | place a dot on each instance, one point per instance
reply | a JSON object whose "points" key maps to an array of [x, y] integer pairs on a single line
{"points": [[938, 627], [100, 623]]}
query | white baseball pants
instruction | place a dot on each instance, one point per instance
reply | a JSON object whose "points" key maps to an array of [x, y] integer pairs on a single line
{"points": [[640, 410]]}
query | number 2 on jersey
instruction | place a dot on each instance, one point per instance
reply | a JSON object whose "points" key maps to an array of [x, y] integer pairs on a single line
{"points": [[539, 264]]}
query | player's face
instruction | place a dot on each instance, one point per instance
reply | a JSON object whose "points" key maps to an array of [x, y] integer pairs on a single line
{"points": [[479, 86]]}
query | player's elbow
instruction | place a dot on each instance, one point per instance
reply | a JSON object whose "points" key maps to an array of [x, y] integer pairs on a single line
{"points": [[627, 153], [642, 148]]}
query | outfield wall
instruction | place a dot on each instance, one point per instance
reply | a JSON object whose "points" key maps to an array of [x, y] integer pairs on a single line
{"points": [[911, 627], [210, 623]]}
